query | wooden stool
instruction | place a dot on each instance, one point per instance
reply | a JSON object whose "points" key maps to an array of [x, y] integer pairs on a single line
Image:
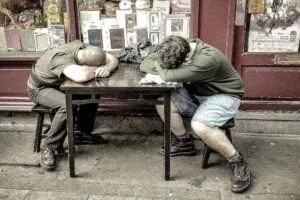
{"points": [[207, 150], [39, 132]]}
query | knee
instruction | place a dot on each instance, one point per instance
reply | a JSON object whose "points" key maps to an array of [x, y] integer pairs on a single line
{"points": [[200, 129], [62, 111]]}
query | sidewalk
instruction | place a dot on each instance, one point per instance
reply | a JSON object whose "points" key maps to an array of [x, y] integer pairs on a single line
{"points": [[131, 167]]}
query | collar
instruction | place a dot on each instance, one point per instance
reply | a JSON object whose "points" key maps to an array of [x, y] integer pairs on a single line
{"points": [[188, 58]]}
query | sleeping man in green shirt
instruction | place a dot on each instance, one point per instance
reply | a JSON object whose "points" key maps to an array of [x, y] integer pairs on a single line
{"points": [[212, 92]]}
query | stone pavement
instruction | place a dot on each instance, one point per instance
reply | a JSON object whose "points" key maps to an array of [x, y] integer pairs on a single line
{"points": [[130, 167]]}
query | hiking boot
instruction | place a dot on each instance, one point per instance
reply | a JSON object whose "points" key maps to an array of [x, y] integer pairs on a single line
{"points": [[47, 161], [241, 178], [181, 146], [82, 138]]}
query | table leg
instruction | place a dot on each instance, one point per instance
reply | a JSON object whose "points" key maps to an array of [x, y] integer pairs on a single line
{"points": [[70, 134], [167, 102]]}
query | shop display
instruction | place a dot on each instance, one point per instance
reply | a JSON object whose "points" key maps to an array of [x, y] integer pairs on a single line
{"points": [[53, 12], [161, 6], [276, 29], [95, 37], [24, 20], [117, 40], [180, 6], [142, 4], [3, 44], [27, 40], [125, 4], [12, 37], [56, 35], [177, 25], [41, 39], [126, 21], [130, 21]]}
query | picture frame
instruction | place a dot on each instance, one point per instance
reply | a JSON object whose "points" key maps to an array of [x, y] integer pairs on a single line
{"points": [[95, 37], [41, 39], [177, 24], [56, 35], [154, 37], [153, 20]]}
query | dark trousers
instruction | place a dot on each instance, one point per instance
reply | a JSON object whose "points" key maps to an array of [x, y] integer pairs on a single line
{"points": [[84, 114]]}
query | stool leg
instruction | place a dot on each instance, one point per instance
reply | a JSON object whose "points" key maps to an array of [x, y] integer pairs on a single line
{"points": [[207, 150], [38, 133], [228, 134], [206, 154]]}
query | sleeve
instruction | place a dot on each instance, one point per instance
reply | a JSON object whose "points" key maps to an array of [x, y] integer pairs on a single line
{"points": [[147, 65], [203, 68], [59, 62]]}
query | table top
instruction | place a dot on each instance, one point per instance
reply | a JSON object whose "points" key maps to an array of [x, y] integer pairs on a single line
{"points": [[125, 78]]}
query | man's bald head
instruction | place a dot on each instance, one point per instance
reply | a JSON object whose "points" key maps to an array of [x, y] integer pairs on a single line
{"points": [[91, 56]]}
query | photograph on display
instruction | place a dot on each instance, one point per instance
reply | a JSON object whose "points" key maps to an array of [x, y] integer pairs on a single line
{"points": [[177, 25], [95, 37], [153, 20], [41, 39], [277, 29], [130, 21], [117, 40], [27, 40], [131, 38], [154, 37], [56, 35]]}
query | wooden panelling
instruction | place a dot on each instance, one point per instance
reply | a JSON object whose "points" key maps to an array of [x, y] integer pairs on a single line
{"points": [[13, 82], [216, 21], [271, 82]]}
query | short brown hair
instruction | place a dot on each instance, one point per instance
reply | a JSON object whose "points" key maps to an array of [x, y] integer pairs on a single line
{"points": [[173, 51]]}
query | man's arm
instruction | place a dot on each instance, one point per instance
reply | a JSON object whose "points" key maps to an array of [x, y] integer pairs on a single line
{"points": [[80, 73], [110, 65], [147, 64]]}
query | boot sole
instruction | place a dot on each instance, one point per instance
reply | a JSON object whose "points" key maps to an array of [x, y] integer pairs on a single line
{"points": [[244, 189], [188, 153], [47, 167]]}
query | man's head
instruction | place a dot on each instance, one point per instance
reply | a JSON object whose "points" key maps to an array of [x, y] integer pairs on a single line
{"points": [[173, 51], [91, 56]]}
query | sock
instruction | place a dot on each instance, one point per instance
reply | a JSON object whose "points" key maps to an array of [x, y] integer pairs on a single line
{"points": [[235, 157], [184, 136]]}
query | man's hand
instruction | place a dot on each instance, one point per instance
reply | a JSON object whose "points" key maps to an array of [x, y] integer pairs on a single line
{"points": [[102, 72]]}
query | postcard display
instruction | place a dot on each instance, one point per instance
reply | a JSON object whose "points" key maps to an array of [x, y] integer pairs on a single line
{"points": [[118, 24], [42, 26], [274, 26]]}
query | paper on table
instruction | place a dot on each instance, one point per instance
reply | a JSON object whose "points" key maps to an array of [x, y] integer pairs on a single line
{"points": [[151, 78]]}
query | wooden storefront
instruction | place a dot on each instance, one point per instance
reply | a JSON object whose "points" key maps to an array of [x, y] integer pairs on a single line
{"points": [[270, 83]]}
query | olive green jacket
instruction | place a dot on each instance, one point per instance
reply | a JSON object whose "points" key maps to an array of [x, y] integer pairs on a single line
{"points": [[208, 73]]}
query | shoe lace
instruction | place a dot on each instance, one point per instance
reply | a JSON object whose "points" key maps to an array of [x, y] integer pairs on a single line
{"points": [[47, 152], [240, 170]]}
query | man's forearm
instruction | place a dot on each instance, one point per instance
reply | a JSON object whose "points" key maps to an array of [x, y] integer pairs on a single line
{"points": [[111, 62]]}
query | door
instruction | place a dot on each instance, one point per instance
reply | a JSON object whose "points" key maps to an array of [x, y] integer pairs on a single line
{"points": [[271, 79]]}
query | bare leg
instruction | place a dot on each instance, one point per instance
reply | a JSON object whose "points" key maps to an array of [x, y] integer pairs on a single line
{"points": [[177, 125], [214, 138]]}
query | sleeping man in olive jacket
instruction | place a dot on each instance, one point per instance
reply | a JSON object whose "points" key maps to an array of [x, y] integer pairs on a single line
{"points": [[212, 91]]}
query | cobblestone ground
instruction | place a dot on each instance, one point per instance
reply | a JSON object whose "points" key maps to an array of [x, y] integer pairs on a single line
{"points": [[130, 167]]}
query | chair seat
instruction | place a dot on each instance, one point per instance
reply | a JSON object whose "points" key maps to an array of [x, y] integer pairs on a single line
{"points": [[37, 108]]}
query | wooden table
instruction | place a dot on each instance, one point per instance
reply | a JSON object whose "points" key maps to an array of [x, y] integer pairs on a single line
{"points": [[124, 81]]}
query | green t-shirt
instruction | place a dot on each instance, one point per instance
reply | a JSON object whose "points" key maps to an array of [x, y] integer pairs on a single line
{"points": [[208, 73], [49, 67]]}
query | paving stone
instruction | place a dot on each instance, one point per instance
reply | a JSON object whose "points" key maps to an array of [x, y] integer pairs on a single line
{"points": [[38, 195], [131, 167], [13, 194]]}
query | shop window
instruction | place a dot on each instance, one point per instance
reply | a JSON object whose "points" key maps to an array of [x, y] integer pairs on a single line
{"points": [[118, 24], [33, 25], [272, 26]]}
